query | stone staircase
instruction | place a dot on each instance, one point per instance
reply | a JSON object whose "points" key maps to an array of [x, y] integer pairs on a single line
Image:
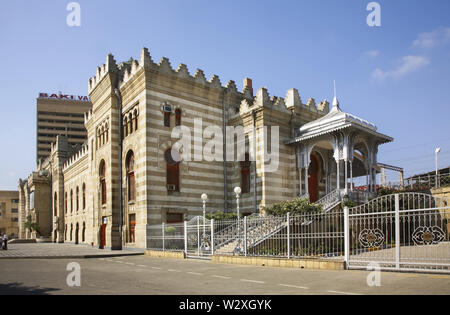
{"points": [[229, 241], [258, 230]]}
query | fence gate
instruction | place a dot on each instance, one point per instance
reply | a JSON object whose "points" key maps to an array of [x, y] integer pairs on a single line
{"points": [[199, 238], [407, 231]]}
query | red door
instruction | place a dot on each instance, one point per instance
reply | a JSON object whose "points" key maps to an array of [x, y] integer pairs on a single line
{"points": [[313, 180], [102, 236]]}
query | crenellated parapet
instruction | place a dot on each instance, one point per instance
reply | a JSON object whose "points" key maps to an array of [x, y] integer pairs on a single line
{"points": [[182, 72], [84, 150], [88, 116], [289, 104], [109, 65]]}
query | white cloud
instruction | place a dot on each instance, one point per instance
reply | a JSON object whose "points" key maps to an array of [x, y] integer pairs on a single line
{"points": [[407, 65], [434, 38], [372, 53]]}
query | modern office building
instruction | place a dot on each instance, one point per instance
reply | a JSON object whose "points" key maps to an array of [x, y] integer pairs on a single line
{"points": [[9, 213], [59, 114]]}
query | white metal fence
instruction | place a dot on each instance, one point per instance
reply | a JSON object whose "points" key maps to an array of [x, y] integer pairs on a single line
{"points": [[308, 235], [408, 231]]}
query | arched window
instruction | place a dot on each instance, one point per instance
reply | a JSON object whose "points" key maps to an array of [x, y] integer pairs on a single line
{"points": [[135, 119], [78, 198], [71, 200], [245, 174], [173, 171], [130, 176], [65, 201], [83, 235], [178, 117], [55, 204], [130, 121], [167, 119], [84, 196], [103, 181], [71, 231]]}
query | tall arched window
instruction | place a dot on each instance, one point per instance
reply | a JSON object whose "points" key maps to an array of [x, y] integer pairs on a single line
{"points": [[130, 176], [130, 121], [173, 171], [245, 174], [135, 119], [178, 117], [78, 198], [103, 181], [65, 201], [71, 200], [84, 196], [55, 204]]}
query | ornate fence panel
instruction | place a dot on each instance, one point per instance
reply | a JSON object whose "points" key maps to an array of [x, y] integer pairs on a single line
{"points": [[407, 231], [198, 238]]}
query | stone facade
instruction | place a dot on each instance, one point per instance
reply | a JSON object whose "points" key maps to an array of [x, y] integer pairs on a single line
{"points": [[135, 107]]}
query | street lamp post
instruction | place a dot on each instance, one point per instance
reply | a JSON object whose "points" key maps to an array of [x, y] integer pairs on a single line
{"points": [[204, 198], [237, 191], [437, 173]]}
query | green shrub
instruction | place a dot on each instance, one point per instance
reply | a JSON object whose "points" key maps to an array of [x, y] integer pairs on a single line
{"points": [[296, 206], [220, 215]]}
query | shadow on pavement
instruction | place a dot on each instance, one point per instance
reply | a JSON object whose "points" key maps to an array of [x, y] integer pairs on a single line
{"points": [[19, 289]]}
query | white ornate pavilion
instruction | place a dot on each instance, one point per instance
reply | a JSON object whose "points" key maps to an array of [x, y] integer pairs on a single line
{"points": [[341, 147]]}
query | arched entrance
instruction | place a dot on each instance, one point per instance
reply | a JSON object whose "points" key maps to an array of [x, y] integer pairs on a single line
{"points": [[313, 180], [102, 234]]}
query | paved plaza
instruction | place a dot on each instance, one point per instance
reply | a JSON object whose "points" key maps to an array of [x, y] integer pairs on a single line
{"points": [[52, 250], [156, 276]]}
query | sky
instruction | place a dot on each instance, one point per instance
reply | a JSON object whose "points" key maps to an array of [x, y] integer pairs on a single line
{"points": [[396, 75]]}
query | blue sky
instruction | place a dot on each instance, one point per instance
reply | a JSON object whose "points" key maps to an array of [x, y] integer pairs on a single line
{"points": [[396, 75]]}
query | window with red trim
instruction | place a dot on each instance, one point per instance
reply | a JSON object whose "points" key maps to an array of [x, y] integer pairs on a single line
{"points": [[103, 181], [178, 117], [130, 176], [245, 174], [173, 170]]}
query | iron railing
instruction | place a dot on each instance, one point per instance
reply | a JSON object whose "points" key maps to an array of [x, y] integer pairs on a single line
{"points": [[406, 231]]}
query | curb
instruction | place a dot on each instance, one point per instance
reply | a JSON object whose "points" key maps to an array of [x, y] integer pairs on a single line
{"points": [[72, 256]]}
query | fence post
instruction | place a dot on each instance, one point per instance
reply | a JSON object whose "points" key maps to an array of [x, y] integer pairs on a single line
{"points": [[212, 236], [346, 237], [185, 239], [163, 237], [288, 236], [397, 231], [198, 236], [245, 236]]}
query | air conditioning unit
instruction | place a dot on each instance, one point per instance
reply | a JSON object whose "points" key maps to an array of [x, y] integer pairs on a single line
{"points": [[171, 187]]}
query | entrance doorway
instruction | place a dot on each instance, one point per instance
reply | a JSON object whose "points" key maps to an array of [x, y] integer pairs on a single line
{"points": [[313, 183], [103, 234]]}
